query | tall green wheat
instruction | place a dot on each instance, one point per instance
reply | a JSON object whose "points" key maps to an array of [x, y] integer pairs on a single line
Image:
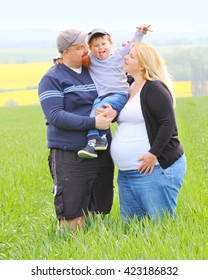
{"points": [[28, 224]]}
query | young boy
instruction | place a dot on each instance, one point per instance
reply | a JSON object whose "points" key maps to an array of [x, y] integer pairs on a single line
{"points": [[106, 70]]}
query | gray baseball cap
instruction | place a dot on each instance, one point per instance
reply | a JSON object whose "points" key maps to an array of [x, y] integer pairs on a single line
{"points": [[95, 31], [69, 37]]}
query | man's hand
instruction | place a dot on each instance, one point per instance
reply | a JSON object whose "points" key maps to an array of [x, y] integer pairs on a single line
{"points": [[102, 122]]}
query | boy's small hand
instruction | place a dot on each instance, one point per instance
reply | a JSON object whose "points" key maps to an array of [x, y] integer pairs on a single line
{"points": [[144, 28], [59, 60]]}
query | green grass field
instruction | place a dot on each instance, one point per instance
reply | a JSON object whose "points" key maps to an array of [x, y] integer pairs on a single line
{"points": [[28, 224]]}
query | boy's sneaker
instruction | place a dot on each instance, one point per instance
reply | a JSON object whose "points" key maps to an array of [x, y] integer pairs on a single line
{"points": [[88, 152], [101, 144]]}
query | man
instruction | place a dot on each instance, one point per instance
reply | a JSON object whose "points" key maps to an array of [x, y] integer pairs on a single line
{"points": [[66, 93]]}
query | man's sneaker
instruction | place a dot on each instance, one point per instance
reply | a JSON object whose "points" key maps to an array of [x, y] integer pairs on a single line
{"points": [[87, 152], [101, 144]]}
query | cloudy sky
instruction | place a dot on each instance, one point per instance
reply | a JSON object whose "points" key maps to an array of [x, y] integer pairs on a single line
{"points": [[110, 14]]}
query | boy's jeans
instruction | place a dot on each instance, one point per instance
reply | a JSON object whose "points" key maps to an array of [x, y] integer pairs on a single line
{"points": [[116, 100]]}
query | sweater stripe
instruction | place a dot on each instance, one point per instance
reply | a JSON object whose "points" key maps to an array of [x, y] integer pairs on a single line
{"points": [[54, 93], [73, 88], [50, 93]]}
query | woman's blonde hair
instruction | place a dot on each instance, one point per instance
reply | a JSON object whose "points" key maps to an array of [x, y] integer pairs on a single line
{"points": [[154, 65]]}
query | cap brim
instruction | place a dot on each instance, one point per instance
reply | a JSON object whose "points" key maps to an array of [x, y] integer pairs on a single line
{"points": [[94, 32]]}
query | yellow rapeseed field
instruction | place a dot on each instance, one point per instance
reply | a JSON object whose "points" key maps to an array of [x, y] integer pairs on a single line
{"points": [[21, 98], [182, 89], [18, 76], [18, 83]]}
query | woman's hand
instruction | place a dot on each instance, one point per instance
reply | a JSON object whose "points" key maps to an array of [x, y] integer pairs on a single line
{"points": [[148, 163], [108, 111]]}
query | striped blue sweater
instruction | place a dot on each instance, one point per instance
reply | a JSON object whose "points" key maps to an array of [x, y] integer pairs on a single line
{"points": [[66, 98]]}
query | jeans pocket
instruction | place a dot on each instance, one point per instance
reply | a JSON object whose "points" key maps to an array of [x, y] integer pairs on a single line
{"points": [[58, 199], [167, 173]]}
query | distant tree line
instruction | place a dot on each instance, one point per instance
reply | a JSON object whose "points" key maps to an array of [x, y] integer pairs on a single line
{"points": [[189, 64]]}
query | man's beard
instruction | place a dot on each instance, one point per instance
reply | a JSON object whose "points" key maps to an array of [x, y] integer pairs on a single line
{"points": [[86, 61]]}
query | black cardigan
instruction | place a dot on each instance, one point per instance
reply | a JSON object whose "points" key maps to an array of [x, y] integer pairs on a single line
{"points": [[159, 116]]}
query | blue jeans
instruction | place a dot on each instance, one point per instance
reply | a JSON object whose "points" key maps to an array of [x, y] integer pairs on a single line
{"points": [[152, 194], [116, 100]]}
